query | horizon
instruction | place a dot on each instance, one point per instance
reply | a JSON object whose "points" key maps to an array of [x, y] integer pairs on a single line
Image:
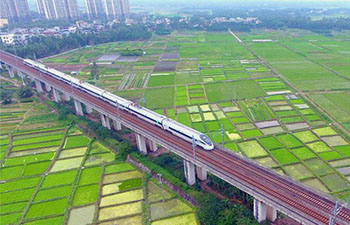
{"points": [[201, 3]]}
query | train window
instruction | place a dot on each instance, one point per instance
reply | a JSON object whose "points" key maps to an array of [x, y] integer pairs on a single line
{"points": [[205, 139]]}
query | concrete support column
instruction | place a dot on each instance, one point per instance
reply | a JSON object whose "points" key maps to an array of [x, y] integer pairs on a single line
{"points": [[10, 70], [78, 108], [22, 75], [117, 125], [38, 86], [190, 173], [66, 97], [152, 145], [47, 87], [88, 109], [56, 95], [271, 213], [108, 122], [259, 210], [202, 173], [105, 121], [141, 143], [1, 67]]}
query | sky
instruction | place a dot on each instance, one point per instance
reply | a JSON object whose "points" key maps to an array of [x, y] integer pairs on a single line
{"points": [[315, 3]]}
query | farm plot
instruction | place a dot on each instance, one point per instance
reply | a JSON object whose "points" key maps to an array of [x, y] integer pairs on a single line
{"points": [[291, 64], [52, 187], [336, 104], [208, 80]]}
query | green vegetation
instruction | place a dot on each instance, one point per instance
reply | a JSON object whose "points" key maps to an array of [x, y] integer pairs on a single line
{"points": [[131, 52], [203, 80], [85, 195], [76, 141]]}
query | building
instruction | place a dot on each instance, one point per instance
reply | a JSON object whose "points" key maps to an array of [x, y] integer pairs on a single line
{"points": [[58, 9], [13, 38], [95, 9], [111, 9], [3, 22], [124, 8], [14, 9]]}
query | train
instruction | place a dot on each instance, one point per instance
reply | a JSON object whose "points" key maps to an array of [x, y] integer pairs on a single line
{"points": [[167, 124]]}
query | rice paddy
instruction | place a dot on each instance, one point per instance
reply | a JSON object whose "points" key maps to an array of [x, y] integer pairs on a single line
{"points": [[78, 181], [213, 82]]}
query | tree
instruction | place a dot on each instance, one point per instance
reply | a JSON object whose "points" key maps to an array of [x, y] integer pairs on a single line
{"points": [[25, 92], [210, 206], [6, 96], [123, 149], [227, 217]]}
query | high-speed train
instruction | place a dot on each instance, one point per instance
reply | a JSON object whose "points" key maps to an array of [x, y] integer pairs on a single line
{"points": [[154, 118]]}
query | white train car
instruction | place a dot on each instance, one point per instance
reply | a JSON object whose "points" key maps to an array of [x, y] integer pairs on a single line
{"points": [[188, 133], [145, 114]]}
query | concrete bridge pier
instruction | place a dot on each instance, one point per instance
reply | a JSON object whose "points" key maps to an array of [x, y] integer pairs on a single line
{"points": [[78, 108], [105, 121], [264, 212], [117, 125], [38, 86], [259, 210], [271, 214], [23, 76], [190, 172], [202, 173], [1, 67], [66, 97], [141, 143], [88, 109], [47, 87], [56, 95], [152, 145], [10, 70]]}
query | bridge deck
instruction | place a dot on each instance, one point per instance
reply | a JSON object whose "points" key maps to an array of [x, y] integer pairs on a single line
{"points": [[288, 196]]}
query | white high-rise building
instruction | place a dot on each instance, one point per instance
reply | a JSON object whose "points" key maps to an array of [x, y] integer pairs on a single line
{"points": [[107, 8], [95, 9], [58, 9], [14, 9], [124, 8]]}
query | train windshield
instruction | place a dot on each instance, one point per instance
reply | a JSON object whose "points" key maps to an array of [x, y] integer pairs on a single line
{"points": [[205, 139]]}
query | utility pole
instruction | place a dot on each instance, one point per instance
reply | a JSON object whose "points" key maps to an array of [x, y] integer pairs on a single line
{"points": [[161, 185], [194, 144], [222, 131], [335, 211], [144, 101], [118, 110], [94, 71]]}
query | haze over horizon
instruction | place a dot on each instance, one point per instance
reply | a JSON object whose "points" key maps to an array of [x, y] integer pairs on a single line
{"points": [[207, 3]]}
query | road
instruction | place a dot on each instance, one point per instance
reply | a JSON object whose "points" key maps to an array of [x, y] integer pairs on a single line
{"points": [[288, 196]]}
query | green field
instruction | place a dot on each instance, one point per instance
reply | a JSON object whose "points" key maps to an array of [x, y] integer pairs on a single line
{"points": [[65, 184], [207, 80], [336, 104]]}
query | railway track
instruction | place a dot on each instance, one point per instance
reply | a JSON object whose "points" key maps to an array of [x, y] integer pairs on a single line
{"points": [[307, 204]]}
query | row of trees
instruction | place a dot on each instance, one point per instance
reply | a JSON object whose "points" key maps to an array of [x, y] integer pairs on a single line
{"points": [[131, 52], [6, 95], [42, 46], [272, 19]]}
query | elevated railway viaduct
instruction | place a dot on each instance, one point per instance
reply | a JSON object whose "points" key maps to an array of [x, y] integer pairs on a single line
{"points": [[272, 192]]}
